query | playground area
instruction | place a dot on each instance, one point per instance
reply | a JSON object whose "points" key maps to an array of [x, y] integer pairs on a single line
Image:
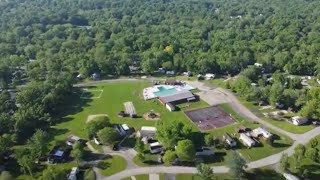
{"points": [[210, 118]]}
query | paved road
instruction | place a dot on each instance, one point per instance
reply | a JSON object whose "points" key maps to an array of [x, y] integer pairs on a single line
{"points": [[208, 96]]}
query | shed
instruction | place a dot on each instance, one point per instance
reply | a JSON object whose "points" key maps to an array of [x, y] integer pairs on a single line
{"points": [[230, 140], [248, 141], [170, 107], [298, 120], [210, 76], [147, 131]]}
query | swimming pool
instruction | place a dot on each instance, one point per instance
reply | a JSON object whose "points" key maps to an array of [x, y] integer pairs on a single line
{"points": [[163, 91]]}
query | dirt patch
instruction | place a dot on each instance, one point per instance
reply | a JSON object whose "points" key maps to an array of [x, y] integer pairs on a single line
{"points": [[92, 117], [146, 116]]}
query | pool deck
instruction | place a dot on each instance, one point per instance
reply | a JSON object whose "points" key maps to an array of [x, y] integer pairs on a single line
{"points": [[154, 91]]}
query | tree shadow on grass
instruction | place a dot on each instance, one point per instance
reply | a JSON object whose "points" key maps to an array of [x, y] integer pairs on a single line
{"points": [[73, 104], [218, 157]]}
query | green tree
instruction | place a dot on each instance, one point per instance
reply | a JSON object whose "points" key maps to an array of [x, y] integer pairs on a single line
{"points": [[209, 139], [169, 157], [38, 143], [205, 172], [97, 124], [312, 154], [53, 173], [108, 135], [186, 150], [89, 174], [276, 93], [236, 164], [139, 146], [284, 162], [26, 160], [141, 157], [78, 152], [169, 133]]}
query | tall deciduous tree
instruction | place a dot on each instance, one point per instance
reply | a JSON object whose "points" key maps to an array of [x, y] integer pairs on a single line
{"points": [[53, 173], [108, 135], [186, 150], [39, 143], [236, 164], [78, 152], [205, 172]]}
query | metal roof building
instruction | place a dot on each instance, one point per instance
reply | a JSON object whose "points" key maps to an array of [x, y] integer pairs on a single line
{"points": [[177, 96]]}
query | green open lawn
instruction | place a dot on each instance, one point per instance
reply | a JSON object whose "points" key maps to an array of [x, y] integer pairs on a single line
{"points": [[115, 164], [111, 102], [288, 126]]}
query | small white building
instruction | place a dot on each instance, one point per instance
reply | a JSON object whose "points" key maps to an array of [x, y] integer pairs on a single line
{"points": [[258, 132], [73, 173], [170, 107], [230, 140], [147, 131], [209, 76], [258, 64], [290, 176], [248, 141], [298, 120]]}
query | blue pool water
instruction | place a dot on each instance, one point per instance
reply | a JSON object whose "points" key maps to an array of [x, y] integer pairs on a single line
{"points": [[163, 91]]}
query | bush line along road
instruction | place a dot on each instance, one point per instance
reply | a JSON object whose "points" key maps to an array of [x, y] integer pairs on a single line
{"points": [[240, 109]]}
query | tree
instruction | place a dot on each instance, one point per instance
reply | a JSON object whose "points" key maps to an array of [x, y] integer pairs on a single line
{"points": [[97, 124], [236, 164], [5, 175], [139, 146], [284, 162], [26, 160], [169, 133], [276, 93], [108, 135], [5, 143], [242, 85], [38, 143], [312, 154], [53, 173], [209, 140], [169, 157], [141, 157], [186, 150], [78, 152], [89, 174], [205, 172]]}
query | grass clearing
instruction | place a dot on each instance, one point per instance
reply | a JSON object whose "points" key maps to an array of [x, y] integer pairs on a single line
{"points": [[111, 102], [287, 126], [115, 163]]}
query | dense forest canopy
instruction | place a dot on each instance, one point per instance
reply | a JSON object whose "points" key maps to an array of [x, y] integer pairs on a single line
{"points": [[201, 36]]}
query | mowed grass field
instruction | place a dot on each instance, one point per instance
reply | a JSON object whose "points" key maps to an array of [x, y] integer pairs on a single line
{"points": [[116, 93], [111, 102]]}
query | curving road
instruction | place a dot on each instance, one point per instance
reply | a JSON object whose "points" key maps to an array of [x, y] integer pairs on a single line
{"points": [[208, 94]]}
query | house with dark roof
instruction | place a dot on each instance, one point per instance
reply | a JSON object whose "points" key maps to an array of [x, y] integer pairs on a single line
{"points": [[177, 97]]}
